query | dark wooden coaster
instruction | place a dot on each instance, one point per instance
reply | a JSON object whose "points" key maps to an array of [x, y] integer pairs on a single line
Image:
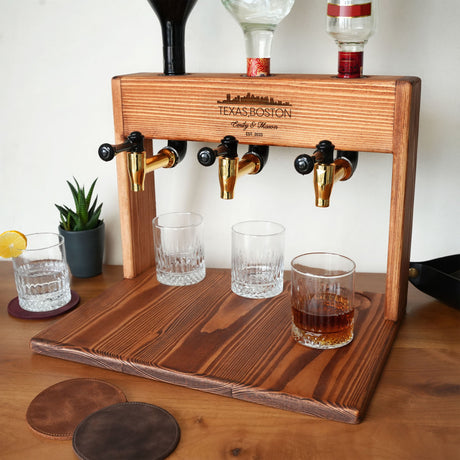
{"points": [[56, 411], [14, 309], [131, 430]]}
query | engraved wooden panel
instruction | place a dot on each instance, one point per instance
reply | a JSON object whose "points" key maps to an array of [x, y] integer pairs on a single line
{"points": [[207, 338], [284, 110]]}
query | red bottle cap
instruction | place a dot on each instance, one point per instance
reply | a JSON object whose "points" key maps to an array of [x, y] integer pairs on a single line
{"points": [[258, 67], [350, 64]]}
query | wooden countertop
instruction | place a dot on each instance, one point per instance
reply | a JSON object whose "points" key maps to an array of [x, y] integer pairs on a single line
{"points": [[414, 413]]}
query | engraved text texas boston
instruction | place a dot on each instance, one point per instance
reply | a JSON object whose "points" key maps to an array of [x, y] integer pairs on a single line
{"points": [[253, 114]]}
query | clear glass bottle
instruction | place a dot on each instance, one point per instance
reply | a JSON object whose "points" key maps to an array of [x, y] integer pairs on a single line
{"points": [[351, 23], [258, 19]]}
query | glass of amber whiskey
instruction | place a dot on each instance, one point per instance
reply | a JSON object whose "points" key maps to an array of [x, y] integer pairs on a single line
{"points": [[322, 296]]}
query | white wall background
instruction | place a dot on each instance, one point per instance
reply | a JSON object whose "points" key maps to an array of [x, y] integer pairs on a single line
{"points": [[57, 59]]}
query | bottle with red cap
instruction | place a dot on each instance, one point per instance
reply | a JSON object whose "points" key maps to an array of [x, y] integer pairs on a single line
{"points": [[351, 23]]}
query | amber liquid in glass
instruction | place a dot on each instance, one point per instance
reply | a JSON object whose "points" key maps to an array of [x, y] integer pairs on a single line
{"points": [[322, 321]]}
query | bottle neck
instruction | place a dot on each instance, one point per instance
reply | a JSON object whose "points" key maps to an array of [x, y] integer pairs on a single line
{"points": [[173, 17], [350, 60], [258, 51], [173, 47]]}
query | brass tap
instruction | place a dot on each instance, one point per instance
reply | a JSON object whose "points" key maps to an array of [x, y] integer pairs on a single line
{"points": [[230, 166], [323, 180], [228, 172], [231, 169], [326, 175], [327, 171], [138, 163]]}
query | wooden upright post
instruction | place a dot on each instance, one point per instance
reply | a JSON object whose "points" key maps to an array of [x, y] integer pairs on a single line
{"points": [[405, 135], [137, 209]]}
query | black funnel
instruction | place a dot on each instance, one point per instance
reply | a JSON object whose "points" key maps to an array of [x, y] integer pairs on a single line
{"points": [[173, 15]]}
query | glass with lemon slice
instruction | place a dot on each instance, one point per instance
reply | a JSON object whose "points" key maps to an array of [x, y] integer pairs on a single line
{"points": [[40, 269]]}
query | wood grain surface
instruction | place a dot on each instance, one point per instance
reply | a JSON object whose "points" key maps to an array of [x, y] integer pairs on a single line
{"points": [[208, 338], [355, 114], [137, 209], [414, 413]]}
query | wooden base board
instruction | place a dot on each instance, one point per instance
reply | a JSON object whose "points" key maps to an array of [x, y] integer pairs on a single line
{"points": [[207, 338]]}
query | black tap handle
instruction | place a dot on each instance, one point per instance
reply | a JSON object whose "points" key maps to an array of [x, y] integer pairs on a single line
{"points": [[106, 152], [135, 143], [206, 156], [324, 152], [228, 148], [304, 164]]}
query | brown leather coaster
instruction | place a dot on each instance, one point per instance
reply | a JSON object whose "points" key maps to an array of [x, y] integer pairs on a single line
{"points": [[14, 309], [131, 430], [56, 411]]}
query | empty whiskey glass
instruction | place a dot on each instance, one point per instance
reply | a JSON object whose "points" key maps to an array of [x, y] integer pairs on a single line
{"points": [[257, 259], [179, 248]]}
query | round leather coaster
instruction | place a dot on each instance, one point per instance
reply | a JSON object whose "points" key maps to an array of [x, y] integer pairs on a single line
{"points": [[56, 411], [131, 430], [14, 309]]}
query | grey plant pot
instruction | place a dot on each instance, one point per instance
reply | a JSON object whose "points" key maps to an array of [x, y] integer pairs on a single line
{"points": [[84, 251]]}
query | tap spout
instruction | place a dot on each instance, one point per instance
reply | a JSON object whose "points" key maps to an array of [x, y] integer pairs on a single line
{"points": [[323, 180], [138, 163], [254, 160], [227, 154], [228, 172], [230, 166], [231, 169], [326, 175], [327, 171]]}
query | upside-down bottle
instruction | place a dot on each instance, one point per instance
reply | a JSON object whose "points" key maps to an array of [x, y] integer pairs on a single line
{"points": [[173, 15], [351, 23], [258, 19]]}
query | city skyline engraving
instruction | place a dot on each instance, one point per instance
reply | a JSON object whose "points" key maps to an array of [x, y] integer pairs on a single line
{"points": [[252, 99]]}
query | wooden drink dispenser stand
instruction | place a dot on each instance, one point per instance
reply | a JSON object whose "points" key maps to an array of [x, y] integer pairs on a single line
{"points": [[204, 336]]}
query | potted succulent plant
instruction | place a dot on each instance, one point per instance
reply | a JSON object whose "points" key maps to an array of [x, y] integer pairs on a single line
{"points": [[83, 232]]}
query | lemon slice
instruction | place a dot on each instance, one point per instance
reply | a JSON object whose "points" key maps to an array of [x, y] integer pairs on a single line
{"points": [[12, 243]]}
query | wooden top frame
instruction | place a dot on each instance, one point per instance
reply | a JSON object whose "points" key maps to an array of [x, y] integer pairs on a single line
{"points": [[284, 110], [372, 114]]}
